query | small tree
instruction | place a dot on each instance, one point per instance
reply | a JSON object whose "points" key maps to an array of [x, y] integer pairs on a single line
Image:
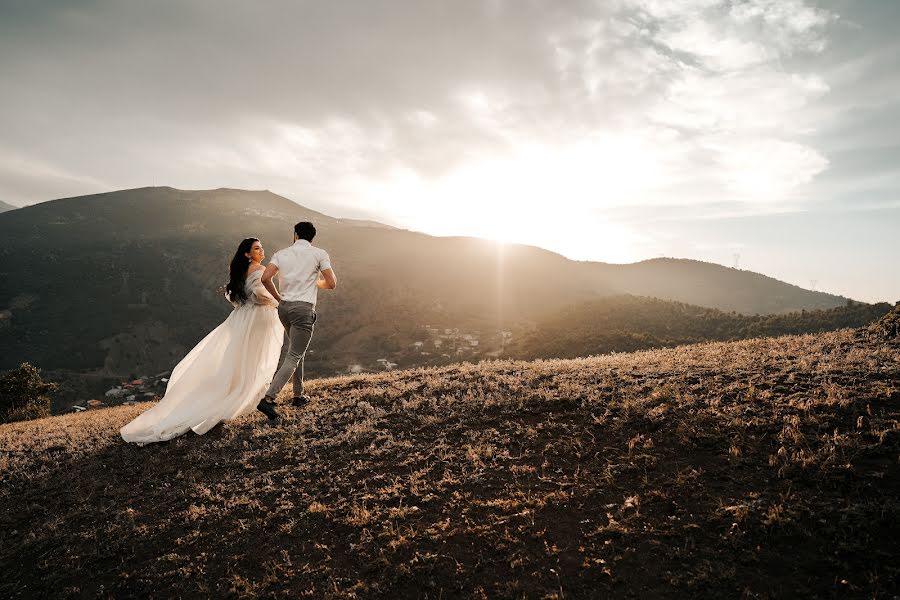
{"points": [[24, 395]]}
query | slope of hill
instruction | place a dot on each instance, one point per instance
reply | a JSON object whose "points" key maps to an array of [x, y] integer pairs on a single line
{"points": [[764, 468], [714, 286], [123, 283], [127, 281], [628, 323], [6, 207]]}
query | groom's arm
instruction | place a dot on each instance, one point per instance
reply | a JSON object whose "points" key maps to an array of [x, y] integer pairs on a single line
{"points": [[267, 282], [328, 281]]}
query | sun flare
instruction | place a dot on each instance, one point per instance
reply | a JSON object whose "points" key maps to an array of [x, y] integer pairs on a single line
{"points": [[553, 197]]}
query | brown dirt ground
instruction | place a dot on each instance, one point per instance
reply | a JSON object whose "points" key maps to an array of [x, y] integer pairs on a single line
{"points": [[761, 469]]}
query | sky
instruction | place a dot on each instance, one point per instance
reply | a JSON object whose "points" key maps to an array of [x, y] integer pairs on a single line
{"points": [[761, 134]]}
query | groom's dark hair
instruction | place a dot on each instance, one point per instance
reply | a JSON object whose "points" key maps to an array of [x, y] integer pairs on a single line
{"points": [[305, 230]]}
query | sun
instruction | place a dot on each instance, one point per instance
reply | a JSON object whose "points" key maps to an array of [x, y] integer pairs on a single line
{"points": [[552, 197]]}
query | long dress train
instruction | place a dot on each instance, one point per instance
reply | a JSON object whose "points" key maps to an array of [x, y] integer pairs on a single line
{"points": [[223, 377]]}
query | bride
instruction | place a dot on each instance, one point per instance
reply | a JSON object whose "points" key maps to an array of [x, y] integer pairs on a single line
{"points": [[226, 374]]}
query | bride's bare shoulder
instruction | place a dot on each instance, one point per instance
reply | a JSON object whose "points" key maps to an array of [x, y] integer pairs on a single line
{"points": [[255, 267]]}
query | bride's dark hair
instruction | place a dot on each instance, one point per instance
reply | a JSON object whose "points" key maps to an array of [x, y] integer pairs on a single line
{"points": [[238, 278]]}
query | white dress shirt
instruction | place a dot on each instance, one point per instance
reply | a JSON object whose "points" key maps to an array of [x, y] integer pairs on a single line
{"points": [[299, 266]]}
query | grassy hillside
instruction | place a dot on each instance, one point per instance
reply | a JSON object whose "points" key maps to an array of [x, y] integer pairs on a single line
{"points": [[629, 323], [762, 469], [126, 282]]}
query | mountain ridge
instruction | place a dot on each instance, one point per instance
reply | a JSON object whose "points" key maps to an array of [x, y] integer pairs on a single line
{"points": [[645, 263], [124, 282]]}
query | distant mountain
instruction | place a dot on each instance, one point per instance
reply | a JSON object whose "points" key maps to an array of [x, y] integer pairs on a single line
{"points": [[6, 207], [712, 285], [628, 323], [125, 282]]}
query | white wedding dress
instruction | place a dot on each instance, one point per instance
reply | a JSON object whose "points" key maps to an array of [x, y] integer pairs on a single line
{"points": [[223, 377]]}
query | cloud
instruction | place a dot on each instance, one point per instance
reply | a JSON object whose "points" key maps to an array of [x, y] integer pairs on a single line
{"points": [[406, 111], [19, 172]]}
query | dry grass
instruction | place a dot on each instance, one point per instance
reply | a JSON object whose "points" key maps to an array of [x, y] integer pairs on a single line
{"points": [[763, 468]]}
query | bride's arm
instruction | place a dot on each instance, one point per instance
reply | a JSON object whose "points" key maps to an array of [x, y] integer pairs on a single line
{"points": [[259, 295]]}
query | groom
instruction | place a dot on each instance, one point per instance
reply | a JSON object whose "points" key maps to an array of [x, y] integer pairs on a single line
{"points": [[298, 268]]}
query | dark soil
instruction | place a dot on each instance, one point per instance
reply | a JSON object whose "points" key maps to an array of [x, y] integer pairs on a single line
{"points": [[760, 469]]}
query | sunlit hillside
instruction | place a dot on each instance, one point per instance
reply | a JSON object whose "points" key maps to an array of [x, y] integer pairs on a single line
{"points": [[628, 323], [765, 468], [124, 283]]}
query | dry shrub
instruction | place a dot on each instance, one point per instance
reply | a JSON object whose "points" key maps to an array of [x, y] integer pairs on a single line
{"points": [[24, 395], [888, 326]]}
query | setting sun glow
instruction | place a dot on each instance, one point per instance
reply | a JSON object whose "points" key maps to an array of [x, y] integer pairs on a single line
{"points": [[538, 195]]}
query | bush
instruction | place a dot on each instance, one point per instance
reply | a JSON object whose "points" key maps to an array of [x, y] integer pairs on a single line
{"points": [[888, 326], [24, 395]]}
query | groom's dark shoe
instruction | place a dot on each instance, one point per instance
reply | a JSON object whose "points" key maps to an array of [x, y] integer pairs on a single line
{"points": [[299, 401], [267, 408]]}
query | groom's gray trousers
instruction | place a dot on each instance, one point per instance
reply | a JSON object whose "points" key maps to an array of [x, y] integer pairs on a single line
{"points": [[298, 319]]}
